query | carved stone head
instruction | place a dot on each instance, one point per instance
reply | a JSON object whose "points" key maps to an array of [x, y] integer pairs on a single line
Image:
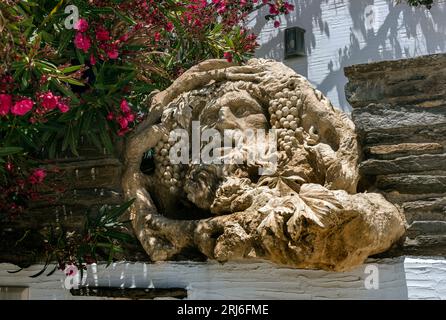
{"points": [[221, 203]]}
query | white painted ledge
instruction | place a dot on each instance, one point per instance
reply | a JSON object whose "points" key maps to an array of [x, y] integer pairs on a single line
{"points": [[400, 278]]}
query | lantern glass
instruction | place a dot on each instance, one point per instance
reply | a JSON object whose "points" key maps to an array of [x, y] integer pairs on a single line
{"points": [[294, 42]]}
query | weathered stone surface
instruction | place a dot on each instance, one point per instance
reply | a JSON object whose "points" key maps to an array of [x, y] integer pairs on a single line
{"points": [[426, 134], [385, 117], [85, 196], [401, 123], [380, 125], [305, 214], [413, 183], [419, 81], [423, 245], [409, 164], [418, 228], [400, 198], [99, 173], [433, 209], [392, 151]]}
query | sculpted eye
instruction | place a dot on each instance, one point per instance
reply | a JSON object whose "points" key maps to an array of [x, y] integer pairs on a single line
{"points": [[243, 111]]}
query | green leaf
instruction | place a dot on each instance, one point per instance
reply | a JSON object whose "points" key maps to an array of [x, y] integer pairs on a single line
{"points": [[122, 236], [71, 69], [65, 91], [73, 143], [6, 151], [80, 56], [121, 209], [52, 149], [106, 141], [27, 139], [94, 139], [73, 81], [66, 139]]}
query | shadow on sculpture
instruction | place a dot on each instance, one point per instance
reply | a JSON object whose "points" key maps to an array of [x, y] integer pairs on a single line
{"points": [[305, 213]]}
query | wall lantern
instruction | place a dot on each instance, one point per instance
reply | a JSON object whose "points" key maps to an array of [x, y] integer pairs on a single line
{"points": [[294, 42]]}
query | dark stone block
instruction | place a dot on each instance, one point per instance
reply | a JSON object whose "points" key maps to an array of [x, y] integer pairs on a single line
{"points": [[385, 117], [409, 164], [412, 183]]}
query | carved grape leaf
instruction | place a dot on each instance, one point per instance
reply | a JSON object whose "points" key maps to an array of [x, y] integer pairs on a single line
{"points": [[318, 204], [319, 199], [278, 205], [314, 202], [285, 184]]}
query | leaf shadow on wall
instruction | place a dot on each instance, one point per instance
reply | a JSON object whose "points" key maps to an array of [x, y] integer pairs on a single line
{"points": [[403, 32]]}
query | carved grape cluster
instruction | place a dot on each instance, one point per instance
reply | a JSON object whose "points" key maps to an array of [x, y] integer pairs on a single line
{"points": [[171, 175], [284, 113]]}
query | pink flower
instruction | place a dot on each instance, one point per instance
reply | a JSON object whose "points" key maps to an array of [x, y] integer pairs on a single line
{"points": [[112, 52], [273, 9], [5, 104], [123, 123], [37, 176], [288, 7], [122, 132], [130, 117], [81, 25], [157, 36], [63, 107], [221, 9], [276, 24], [102, 34], [110, 116], [124, 37], [169, 27], [71, 270], [9, 166], [228, 56], [92, 60], [48, 100], [82, 42], [22, 107], [125, 106]]}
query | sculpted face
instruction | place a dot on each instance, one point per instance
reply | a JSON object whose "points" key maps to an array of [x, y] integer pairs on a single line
{"points": [[234, 110], [304, 214]]}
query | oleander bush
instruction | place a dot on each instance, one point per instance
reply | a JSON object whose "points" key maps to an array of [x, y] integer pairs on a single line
{"points": [[80, 71]]}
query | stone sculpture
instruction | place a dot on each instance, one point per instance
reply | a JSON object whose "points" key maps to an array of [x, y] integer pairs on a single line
{"points": [[305, 214]]}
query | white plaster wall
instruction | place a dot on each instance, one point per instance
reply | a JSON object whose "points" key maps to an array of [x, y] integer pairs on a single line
{"points": [[400, 278], [338, 34]]}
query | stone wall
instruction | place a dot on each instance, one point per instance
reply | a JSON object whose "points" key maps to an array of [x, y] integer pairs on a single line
{"points": [[399, 108]]}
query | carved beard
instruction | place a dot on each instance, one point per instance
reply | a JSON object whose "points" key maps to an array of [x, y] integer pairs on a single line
{"points": [[202, 182]]}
